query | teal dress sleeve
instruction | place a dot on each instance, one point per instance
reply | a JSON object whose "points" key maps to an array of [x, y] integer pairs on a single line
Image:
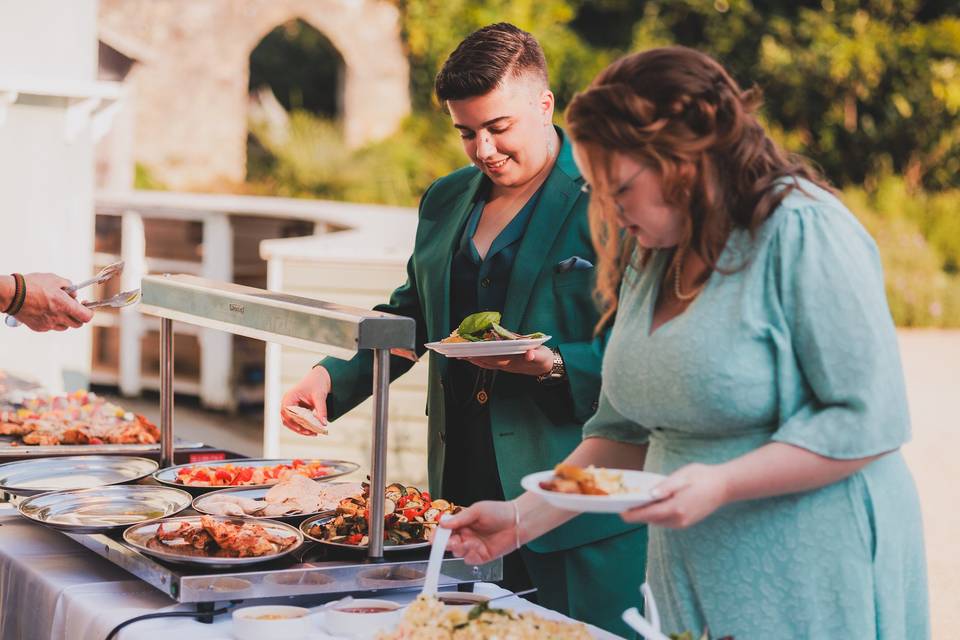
{"points": [[842, 389], [609, 423]]}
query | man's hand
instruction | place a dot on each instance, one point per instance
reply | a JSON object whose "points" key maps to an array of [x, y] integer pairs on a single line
{"points": [[535, 362], [48, 307], [311, 392]]}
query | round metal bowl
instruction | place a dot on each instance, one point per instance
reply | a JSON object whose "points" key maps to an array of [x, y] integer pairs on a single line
{"points": [[140, 535], [258, 493], [104, 509], [168, 476], [324, 518], [30, 477]]}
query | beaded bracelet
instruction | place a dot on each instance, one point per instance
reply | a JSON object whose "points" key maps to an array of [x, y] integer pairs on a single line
{"points": [[19, 295]]}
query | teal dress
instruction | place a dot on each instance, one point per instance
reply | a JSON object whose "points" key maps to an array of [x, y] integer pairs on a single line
{"points": [[796, 347]]}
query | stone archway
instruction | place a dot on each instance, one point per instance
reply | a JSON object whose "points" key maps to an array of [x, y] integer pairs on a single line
{"points": [[191, 94]]}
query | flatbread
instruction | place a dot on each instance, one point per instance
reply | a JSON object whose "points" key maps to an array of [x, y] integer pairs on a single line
{"points": [[305, 418]]}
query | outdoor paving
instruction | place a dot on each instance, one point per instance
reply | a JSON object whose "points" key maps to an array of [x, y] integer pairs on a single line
{"points": [[931, 362]]}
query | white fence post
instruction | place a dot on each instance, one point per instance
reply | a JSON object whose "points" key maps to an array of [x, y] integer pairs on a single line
{"points": [[133, 253], [216, 347], [272, 390]]}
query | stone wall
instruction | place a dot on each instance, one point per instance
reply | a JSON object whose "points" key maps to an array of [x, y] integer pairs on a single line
{"points": [[192, 77]]}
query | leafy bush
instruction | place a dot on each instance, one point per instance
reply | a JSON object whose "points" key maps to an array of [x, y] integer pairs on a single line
{"points": [[311, 160], [920, 292]]}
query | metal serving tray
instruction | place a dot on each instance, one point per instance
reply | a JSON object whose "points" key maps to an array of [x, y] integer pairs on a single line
{"points": [[30, 477], [104, 509], [311, 570], [10, 448]]}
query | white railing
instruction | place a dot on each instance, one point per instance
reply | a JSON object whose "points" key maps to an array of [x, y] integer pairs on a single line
{"points": [[214, 212]]}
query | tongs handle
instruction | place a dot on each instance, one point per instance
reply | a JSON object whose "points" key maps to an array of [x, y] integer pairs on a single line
{"points": [[107, 273]]}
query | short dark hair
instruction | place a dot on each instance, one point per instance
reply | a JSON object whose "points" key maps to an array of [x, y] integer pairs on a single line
{"points": [[480, 63]]}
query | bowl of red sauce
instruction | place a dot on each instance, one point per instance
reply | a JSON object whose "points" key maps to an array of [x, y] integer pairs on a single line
{"points": [[360, 617]]}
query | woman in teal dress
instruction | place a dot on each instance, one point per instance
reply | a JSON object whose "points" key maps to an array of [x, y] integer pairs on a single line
{"points": [[752, 360]]}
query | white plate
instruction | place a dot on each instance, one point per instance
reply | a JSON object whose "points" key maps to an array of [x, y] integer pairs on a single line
{"points": [[485, 348], [639, 482]]}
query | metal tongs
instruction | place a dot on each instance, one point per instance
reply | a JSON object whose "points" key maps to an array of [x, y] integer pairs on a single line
{"points": [[122, 299]]}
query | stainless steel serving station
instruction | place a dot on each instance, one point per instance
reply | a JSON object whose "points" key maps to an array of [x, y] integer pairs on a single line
{"points": [[316, 326]]}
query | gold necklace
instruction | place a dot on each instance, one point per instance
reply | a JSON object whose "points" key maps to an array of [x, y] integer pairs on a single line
{"points": [[676, 282]]}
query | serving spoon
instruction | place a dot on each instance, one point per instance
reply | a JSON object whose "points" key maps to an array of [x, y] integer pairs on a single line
{"points": [[441, 536]]}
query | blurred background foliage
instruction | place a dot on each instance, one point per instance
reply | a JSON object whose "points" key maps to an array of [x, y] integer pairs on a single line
{"points": [[868, 89]]}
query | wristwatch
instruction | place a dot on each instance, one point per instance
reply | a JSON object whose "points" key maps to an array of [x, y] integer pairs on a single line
{"points": [[557, 371]]}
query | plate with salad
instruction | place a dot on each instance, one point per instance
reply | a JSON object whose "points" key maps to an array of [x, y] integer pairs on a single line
{"points": [[481, 334]]}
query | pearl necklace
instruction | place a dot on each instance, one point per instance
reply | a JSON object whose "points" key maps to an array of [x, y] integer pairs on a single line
{"points": [[685, 297]]}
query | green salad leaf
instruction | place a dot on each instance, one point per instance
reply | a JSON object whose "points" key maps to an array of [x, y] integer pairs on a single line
{"points": [[477, 323]]}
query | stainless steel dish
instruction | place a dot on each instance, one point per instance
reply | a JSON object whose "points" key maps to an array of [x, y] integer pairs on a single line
{"points": [[259, 493], [30, 477], [13, 447], [168, 476], [141, 537], [104, 509], [323, 519]]}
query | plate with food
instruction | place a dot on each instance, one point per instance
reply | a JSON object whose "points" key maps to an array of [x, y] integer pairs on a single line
{"points": [[249, 472], [213, 540], [104, 509], [78, 418], [410, 519], [593, 489], [481, 335], [294, 498], [426, 617], [30, 477]]}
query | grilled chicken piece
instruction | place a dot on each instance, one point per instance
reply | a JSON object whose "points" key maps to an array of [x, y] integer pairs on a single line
{"points": [[245, 540], [196, 537], [15, 428]]}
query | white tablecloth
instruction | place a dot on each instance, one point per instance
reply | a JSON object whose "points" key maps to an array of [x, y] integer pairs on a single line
{"points": [[53, 588]]}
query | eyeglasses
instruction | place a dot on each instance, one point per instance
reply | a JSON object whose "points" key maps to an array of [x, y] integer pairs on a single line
{"points": [[586, 188]]}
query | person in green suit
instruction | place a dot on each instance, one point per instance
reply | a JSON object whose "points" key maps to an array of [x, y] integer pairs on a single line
{"points": [[508, 234]]}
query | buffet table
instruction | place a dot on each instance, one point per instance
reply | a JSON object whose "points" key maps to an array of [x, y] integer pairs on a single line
{"points": [[53, 588]]}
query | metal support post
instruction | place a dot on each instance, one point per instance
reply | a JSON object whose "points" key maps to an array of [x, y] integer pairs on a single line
{"points": [[378, 463], [166, 392]]}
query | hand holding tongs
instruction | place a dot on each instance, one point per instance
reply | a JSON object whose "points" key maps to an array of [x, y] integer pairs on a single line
{"points": [[122, 299]]}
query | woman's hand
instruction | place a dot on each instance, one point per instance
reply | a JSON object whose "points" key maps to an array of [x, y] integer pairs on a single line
{"points": [[48, 307], [535, 362], [686, 497], [311, 392], [482, 532]]}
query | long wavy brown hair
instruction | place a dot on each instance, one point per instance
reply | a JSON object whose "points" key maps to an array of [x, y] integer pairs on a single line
{"points": [[679, 112]]}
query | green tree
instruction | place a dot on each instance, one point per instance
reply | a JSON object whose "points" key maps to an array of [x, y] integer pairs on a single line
{"points": [[433, 28], [858, 85]]}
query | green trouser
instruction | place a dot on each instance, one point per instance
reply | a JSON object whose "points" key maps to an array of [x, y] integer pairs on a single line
{"points": [[594, 583]]}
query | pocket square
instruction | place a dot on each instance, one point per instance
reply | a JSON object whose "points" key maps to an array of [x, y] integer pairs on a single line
{"points": [[573, 263]]}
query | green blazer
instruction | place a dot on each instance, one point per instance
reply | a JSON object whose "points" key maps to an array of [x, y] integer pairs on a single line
{"points": [[534, 425]]}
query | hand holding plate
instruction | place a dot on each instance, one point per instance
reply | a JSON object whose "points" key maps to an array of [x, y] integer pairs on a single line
{"points": [[686, 497], [534, 362]]}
